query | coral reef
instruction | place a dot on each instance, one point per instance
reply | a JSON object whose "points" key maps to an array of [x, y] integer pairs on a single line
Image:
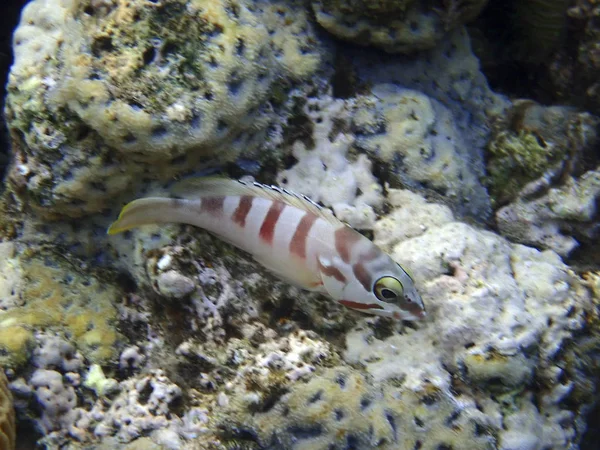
{"points": [[7, 416], [342, 409], [487, 370], [395, 26], [329, 173], [168, 338], [451, 75], [531, 141], [103, 95], [413, 138], [416, 138], [555, 217], [56, 292]]}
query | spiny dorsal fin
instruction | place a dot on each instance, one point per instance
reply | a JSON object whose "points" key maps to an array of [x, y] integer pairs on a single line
{"points": [[219, 186]]}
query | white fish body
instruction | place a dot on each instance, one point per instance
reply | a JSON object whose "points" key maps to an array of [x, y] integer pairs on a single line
{"points": [[290, 235]]}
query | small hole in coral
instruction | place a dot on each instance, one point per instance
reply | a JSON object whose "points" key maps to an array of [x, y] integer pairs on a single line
{"points": [[159, 132], [179, 160], [453, 417], [352, 443], [169, 48], [102, 44], [429, 399], [233, 9], [149, 55], [340, 379], [221, 126], [302, 432], [316, 397], [240, 47], [414, 26], [98, 186], [419, 422], [196, 122], [365, 403], [234, 86], [479, 430], [129, 138], [339, 414]]}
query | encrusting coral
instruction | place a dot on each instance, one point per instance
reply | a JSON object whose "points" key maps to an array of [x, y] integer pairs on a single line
{"points": [[55, 294], [500, 321], [103, 94], [396, 26], [166, 337]]}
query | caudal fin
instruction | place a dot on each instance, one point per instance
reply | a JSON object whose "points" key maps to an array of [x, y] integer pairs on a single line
{"points": [[143, 211]]}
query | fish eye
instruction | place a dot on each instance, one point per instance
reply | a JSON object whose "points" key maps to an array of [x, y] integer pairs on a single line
{"points": [[388, 289], [386, 293]]}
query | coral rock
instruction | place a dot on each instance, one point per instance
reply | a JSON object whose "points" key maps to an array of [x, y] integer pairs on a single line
{"points": [[7, 416]]}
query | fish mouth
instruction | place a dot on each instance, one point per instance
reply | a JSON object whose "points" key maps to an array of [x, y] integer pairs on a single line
{"points": [[412, 315]]}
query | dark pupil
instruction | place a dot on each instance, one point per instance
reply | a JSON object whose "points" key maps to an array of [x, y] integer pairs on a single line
{"points": [[386, 293]]}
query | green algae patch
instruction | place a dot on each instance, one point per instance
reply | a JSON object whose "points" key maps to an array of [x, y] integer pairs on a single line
{"points": [[530, 141], [515, 160], [55, 295]]}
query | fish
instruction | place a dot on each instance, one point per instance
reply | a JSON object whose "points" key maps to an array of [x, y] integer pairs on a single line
{"points": [[295, 238]]}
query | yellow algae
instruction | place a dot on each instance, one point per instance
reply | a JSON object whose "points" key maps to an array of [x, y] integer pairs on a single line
{"points": [[56, 296], [16, 341]]}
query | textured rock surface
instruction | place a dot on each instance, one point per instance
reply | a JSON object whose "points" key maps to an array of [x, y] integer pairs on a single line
{"points": [[396, 26], [561, 218], [530, 141], [500, 320], [416, 138], [330, 173], [166, 337], [55, 293], [7, 415], [451, 75], [102, 95]]}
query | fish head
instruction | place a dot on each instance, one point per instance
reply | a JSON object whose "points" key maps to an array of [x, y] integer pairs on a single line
{"points": [[395, 290], [383, 288]]}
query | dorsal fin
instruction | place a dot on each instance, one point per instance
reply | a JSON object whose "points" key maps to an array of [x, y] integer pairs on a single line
{"points": [[220, 186]]}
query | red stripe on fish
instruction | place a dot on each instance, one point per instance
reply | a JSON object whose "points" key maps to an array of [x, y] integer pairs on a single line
{"points": [[345, 238], [267, 229], [212, 205], [242, 210], [363, 276], [357, 305], [332, 271], [298, 242]]}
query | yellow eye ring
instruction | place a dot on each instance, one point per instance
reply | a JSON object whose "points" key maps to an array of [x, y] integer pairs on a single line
{"points": [[388, 289]]}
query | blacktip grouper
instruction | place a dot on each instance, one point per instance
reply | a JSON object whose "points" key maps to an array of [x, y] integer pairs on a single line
{"points": [[292, 236]]}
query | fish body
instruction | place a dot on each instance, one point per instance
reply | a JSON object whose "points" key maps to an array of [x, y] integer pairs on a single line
{"points": [[290, 235]]}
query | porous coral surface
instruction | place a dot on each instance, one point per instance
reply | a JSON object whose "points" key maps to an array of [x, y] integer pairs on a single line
{"points": [[104, 94], [402, 26], [167, 337], [500, 317]]}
